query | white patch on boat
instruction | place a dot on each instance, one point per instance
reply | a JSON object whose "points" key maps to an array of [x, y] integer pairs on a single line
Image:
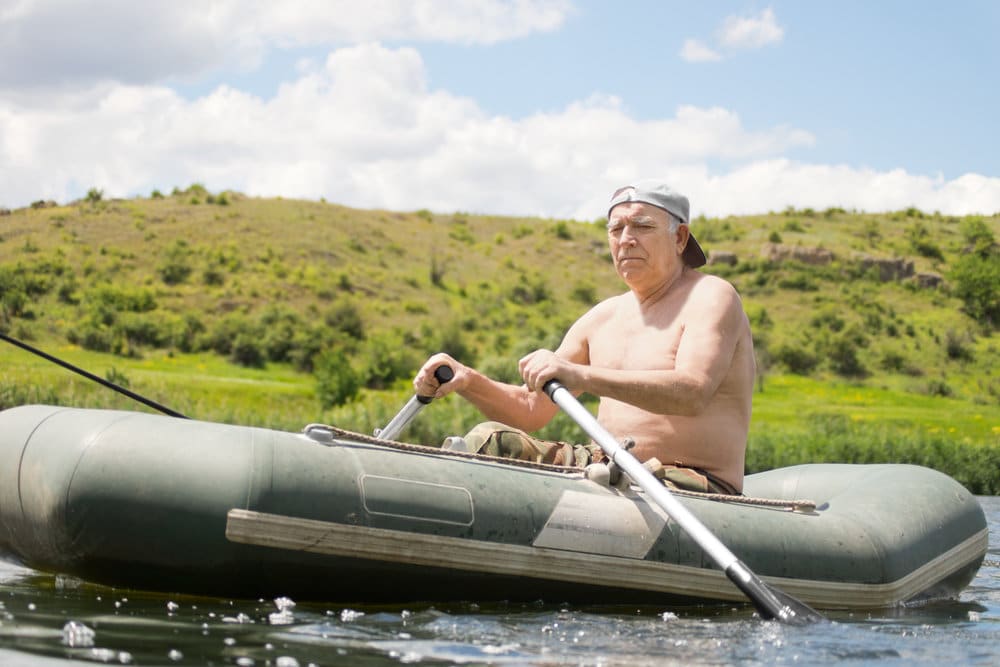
{"points": [[416, 500], [605, 525]]}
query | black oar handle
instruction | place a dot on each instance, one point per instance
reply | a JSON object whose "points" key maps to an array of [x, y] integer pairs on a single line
{"points": [[442, 374]]}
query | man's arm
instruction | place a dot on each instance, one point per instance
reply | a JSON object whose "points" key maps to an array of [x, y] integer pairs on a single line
{"points": [[514, 405], [714, 322]]}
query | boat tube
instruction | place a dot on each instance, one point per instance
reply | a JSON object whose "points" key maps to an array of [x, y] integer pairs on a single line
{"points": [[137, 500]]}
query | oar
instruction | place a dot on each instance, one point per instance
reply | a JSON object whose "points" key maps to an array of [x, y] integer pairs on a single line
{"points": [[770, 602], [90, 376], [416, 403]]}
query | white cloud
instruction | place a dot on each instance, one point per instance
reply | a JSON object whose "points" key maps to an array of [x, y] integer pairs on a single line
{"points": [[751, 32], [364, 129], [75, 44], [694, 51], [736, 32]]}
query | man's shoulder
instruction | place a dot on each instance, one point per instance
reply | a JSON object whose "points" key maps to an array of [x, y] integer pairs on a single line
{"points": [[603, 310], [706, 282]]}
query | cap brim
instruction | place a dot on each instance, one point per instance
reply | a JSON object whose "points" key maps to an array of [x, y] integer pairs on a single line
{"points": [[693, 255]]}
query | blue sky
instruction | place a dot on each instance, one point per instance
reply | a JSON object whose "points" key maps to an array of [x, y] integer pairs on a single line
{"points": [[533, 107]]}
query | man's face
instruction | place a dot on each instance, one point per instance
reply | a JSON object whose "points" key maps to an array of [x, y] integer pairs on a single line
{"points": [[642, 245]]}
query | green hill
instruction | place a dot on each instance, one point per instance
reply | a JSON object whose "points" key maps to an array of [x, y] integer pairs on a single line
{"points": [[879, 326]]}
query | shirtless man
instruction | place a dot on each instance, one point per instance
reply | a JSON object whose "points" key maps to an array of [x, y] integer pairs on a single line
{"points": [[671, 359]]}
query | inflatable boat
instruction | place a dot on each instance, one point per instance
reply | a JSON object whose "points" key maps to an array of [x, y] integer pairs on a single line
{"points": [[137, 500]]}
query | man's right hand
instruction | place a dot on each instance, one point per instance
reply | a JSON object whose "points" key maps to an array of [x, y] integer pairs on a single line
{"points": [[425, 384]]}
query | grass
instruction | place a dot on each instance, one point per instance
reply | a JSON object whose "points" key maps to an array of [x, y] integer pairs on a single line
{"points": [[796, 419], [926, 386], [789, 403]]}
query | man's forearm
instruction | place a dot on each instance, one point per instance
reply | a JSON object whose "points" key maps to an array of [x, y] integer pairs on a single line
{"points": [[510, 404]]}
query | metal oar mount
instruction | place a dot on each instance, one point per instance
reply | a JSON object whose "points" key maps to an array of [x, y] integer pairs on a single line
{"points": [[770, 602], [442, 374]]}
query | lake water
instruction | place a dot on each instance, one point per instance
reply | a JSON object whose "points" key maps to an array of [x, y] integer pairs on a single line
{"points": [[48, 620]]}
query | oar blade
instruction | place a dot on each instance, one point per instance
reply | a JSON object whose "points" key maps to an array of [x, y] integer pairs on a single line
{"points": [[770, 602]]}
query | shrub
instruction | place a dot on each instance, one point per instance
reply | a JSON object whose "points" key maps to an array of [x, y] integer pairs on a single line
{"points": [[336, 380], [386, 359], [247, 350], [345, 317], [919, 237], [278, 326], [842, 352], [976, 282], [584, 293], [224, 332], [796, 358], [450, 340], [176, 264], [978, 235], [957, 347], [122, 299], [828, 319], [793, 226]]}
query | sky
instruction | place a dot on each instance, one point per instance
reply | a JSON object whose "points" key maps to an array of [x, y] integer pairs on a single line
{"points": [[516, 107]]}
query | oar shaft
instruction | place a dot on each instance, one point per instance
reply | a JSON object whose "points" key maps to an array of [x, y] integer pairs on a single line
{"points": [[402, 418], [90, 376], [770, 602], [442, 374], [716, 550]]}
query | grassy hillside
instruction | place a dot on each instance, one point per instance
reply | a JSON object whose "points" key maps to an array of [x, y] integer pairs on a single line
{"points": [[227, 307]]}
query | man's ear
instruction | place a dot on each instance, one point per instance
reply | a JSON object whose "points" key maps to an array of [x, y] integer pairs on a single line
{"points": [[683, 234]]}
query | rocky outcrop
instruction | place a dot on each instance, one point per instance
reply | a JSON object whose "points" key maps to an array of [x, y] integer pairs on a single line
{"points": [[929, 279], [888, 268], [776, 252], [722, 257]]}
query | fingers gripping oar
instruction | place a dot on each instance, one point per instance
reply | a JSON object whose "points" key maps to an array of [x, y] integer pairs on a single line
{"points": [[416, 403], [769, 601]]}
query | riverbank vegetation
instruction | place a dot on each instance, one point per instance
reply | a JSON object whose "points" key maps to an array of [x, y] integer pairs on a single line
{"points": [[876, 334]]}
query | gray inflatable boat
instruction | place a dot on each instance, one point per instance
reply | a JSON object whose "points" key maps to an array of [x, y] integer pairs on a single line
{"points": [[145, 501]]}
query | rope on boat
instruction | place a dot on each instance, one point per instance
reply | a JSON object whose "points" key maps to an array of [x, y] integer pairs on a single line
{"points": [[328, 435]]}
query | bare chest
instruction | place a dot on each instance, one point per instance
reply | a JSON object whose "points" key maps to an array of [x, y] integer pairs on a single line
{"points": [[630, 341]]}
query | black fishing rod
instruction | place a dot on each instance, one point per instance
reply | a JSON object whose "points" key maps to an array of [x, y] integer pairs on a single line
{"points": [[90, 376]]}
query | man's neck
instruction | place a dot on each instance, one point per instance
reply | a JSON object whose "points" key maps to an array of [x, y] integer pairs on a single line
{"points": [[649, 296]]}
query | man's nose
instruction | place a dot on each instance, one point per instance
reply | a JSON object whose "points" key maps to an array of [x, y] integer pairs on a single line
{"points": [[628, 235]]}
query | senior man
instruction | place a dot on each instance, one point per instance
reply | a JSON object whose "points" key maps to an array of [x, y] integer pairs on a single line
{"points": [[671, 359]]}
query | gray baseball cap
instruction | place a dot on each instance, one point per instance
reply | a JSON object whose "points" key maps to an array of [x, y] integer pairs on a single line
{"points": [[661, 195]]}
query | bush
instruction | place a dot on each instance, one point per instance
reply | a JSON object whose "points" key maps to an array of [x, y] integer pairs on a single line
{"points": [[121, 299], [842, 352], [176, 265], [345, 317], [561, 231], [278, 326], [584, 293], [919, 237], [976, 281], [247, 350], [224, 332], [796, 358], [336, 380], [386, 358]]}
